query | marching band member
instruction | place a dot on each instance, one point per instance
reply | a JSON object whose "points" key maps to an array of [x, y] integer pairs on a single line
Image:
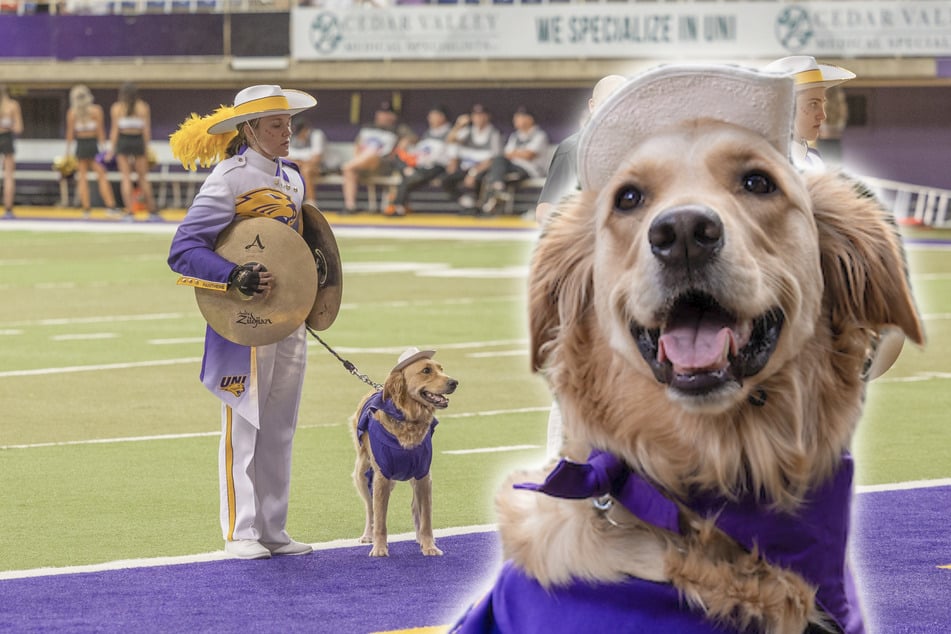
{"points": [[259, 386]]}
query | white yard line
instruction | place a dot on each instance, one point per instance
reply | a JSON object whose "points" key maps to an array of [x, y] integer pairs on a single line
{"points": [[466, 452], [97, 368], [102, 441], [220, 555], [341, 543]]}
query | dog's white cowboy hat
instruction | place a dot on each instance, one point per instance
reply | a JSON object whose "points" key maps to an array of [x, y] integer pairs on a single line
{"points": [[808, 73], [411, 355], [667, 96], [255, 102]]}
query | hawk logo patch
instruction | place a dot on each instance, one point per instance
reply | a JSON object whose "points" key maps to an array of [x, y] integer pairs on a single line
{"points": [[234, 384], [267, 203]]}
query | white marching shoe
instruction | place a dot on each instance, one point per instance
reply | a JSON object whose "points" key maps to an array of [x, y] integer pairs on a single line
{"points": [[290, 548], [247, 549]]}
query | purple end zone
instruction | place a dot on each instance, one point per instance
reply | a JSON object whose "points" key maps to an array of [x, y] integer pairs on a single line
{"points": [[900, 539]]}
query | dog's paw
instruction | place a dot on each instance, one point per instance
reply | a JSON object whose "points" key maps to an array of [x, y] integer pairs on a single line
{"points": [[431, 551], [380, 551], [366, 539]]}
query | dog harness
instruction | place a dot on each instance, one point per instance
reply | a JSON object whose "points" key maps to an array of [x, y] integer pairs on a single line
{"points": [[811, 542], [395, 461]]}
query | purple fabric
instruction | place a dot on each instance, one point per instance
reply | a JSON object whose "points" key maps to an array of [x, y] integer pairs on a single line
{"points": [[67, 37], [604, 474], [812, 542], [518, 604], [395, 461]]}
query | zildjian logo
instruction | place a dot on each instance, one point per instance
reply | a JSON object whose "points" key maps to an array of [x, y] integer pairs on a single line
{"points": [[246, 318]]}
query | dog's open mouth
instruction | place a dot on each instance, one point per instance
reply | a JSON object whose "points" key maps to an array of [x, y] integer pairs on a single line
{"points": [[438, 401], [702, 346]]}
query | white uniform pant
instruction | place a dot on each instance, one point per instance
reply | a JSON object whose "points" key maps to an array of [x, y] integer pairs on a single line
{"points": [[254, 465]]}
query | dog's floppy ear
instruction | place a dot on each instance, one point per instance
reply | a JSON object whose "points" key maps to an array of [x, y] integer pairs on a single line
{"points": [[394, 386], [863, 262], [560, 280]]}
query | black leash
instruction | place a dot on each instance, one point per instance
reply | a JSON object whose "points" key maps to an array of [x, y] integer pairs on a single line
{"points": [[352, 369]]}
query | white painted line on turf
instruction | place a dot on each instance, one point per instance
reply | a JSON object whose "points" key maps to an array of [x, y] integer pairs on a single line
{"points": [[220, 555], [102, 319], [96, 368], [99, 441], [167, 342], [465, 452], [86, 336], [108, 441], [500, 353], [11, 331], [903, 486], [497, 412]]}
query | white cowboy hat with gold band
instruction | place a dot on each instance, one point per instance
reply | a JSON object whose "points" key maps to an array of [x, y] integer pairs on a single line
{"points": [[203, 140], [255, 102], [808, 73]]}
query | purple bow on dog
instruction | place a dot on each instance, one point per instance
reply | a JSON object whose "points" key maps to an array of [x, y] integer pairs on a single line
{"points": [[605, 474]]}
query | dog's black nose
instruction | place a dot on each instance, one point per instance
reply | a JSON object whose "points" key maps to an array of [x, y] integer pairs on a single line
{"points": [[686, 236], [452, 385]]}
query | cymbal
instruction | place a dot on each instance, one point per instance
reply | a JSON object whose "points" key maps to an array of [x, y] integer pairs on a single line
{"points": [[891, 340], [269, 317], [320, 238]]}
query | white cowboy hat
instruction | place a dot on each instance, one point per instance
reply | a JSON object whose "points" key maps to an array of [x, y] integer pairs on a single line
{"points": [[255, 102], [808, 73], [667, 96], [410, 355]]}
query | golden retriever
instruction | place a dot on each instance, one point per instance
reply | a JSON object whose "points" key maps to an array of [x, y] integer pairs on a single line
{"points": [[705, 318], [392, 431]]}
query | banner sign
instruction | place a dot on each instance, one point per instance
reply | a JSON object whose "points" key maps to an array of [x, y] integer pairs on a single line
{"points": [[697, 31]]}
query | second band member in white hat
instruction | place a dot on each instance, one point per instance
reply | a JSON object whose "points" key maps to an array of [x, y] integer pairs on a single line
{"points": [[811, 79]]}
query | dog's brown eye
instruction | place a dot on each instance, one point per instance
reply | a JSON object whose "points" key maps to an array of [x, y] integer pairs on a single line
{"points": [[628, 198], [758, 183], [427, 370]]}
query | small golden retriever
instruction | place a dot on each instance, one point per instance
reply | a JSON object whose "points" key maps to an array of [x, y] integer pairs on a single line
{"points": [[703, 318], [392, 431]]}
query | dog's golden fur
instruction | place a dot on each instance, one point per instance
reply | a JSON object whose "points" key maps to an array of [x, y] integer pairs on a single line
{"points": [[417, 391], [816, 250]]}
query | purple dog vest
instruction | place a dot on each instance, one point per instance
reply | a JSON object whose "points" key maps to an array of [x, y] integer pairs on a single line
{"points": [[395, 461], [811, 543]]}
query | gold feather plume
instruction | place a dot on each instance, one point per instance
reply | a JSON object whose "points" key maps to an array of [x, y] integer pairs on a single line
{"points": [[194, 146]]}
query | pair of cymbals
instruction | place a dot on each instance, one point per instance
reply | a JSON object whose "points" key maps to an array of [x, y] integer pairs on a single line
{"points": [[307, 286]]}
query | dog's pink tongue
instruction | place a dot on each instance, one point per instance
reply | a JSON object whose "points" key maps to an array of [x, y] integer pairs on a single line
{"points": [[697, 344]]}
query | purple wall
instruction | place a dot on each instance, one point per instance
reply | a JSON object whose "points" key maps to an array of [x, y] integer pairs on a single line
{"points": [[907, 137], [67, 37]]}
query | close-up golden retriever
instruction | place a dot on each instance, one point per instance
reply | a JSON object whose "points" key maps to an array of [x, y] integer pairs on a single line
{"points": [[702, 312], [392, 432]]}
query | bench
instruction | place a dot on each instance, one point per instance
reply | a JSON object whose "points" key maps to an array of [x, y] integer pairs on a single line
{"points": [[175, 187]]}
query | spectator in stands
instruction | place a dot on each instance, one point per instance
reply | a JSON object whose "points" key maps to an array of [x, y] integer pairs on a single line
{"points": [[563, 170], [86, 125], [474, 141], [812, 80], [307, 150], [525, 156], [129, 138], [424, 161], [372, 153], [11, 125]]}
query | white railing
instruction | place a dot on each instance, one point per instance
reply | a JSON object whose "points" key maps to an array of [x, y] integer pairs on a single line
{"points": [[914, 204]]}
